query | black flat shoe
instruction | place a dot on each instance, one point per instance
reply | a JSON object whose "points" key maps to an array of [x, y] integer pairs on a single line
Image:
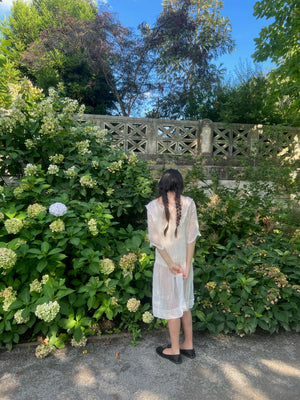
{"points": [[175, 358], [188, 353]]}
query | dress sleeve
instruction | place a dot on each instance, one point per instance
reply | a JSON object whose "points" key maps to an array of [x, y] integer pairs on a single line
{"points": [[154, 236], [193, 225]]}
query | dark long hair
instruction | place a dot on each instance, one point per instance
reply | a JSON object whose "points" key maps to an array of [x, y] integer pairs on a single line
{"points": [[171, 181]]}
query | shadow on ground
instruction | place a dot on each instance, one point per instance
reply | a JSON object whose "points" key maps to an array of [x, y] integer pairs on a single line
{"points": [[255, 367]]}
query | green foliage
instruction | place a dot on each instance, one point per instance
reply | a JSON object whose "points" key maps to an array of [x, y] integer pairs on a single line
{"points": [[74, 254], [8, 73], [249, 102], [279, 42], [62, 273], [50, 41], [247, 261], [187, 36]]}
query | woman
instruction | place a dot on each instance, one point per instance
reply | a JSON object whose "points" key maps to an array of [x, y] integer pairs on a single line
{"points": [[173, 229]]}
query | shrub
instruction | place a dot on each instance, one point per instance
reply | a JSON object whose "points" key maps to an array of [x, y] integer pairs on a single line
{"points": [[74, 253], [247, 268], [65, 228]]}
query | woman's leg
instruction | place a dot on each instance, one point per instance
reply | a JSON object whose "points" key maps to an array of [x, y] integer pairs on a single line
{"points": [[174, 330], [187, 325]]}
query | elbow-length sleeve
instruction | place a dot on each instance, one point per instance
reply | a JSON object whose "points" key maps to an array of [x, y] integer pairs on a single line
{"points": [[193, 225], [154, 236]]}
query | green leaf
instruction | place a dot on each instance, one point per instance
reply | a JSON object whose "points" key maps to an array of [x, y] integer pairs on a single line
{"points": [[55, 251], [63, 292], [34, 251], [25, 296], [148, 274], [67, 323], [75, 241], [109, 313], [45, 247], [78, 334], [91, 302], [41, 265]]}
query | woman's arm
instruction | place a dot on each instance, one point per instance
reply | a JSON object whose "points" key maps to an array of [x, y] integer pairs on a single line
{"points": [[189, 258], [176, 269]]}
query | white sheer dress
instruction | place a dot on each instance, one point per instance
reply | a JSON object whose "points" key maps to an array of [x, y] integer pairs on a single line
{"points": [[166, 300]]}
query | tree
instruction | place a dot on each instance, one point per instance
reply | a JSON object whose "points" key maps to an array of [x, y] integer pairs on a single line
{"points": [[32, 29], [28, 19], [248, 102], [245, 98], [186, 37], [96, 51], [72, 54], [102, 64], [8, 74], [280, 42]]}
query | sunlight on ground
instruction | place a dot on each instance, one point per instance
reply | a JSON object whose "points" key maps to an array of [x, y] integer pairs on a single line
{"points": [[282, 368], [8, 383], [85, 376], [240, 384], [146, 395]]}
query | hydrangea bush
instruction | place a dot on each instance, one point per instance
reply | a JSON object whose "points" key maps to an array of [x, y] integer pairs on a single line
{"points": [[73, 245], [74, 254], [247, 261]]}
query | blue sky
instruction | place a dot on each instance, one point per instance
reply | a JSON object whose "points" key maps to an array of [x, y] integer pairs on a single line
{"points": [[245, 27]]}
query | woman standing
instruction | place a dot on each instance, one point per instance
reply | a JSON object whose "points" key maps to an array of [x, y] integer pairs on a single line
{"points": [[173, 229]]}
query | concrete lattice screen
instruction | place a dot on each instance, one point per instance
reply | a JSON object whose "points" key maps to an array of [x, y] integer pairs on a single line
{"points": [[219, 145]]}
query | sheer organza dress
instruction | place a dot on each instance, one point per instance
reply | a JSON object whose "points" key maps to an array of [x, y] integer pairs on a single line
{"points": [[166, 301]]}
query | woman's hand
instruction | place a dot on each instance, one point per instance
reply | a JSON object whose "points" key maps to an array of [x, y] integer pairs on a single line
{"points": [[175, 269], [186, 273]]}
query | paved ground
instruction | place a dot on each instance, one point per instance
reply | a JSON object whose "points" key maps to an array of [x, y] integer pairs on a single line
{"points": [[256, 367]]}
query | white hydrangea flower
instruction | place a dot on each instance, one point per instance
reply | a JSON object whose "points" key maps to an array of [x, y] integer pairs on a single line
{"points": [[18, 317], [53, 169], [47, 311], [8, 258], [35, 286], [13, 225], [70, 107], [58, 209], [81, 343], [31, 170], [133, 304], [81, 109], [71, 172], [87, 180], [57, 158], [45, 279], [30, 144], [92, 224], [50, 125], [83, 147], [106, 266], [57, 226], [147, 317], [127, 264], [10, 296], [43, 350], [33, 210]]}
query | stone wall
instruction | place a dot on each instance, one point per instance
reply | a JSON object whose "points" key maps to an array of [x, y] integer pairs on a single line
{"points": [[178, 143]]}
